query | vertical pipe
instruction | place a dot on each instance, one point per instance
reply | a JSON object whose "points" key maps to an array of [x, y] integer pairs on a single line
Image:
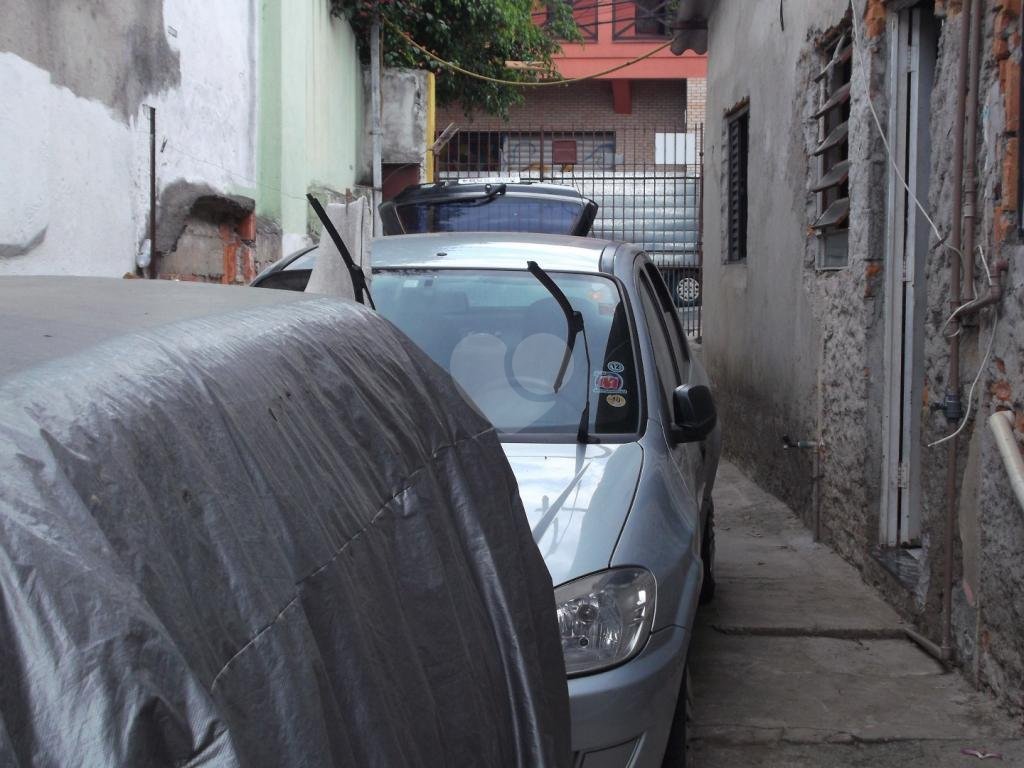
{"points": [[542, 153], [819, 445], [152, 193], [375, 105], [953, 409], [700, 235], [430, 161], [971, 151]]}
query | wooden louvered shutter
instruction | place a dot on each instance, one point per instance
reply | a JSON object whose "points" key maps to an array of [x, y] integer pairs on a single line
{"points": [[737, 153], [831, 184]]}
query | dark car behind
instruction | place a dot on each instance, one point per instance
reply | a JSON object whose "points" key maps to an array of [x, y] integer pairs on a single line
{"points": [[488, 205]]}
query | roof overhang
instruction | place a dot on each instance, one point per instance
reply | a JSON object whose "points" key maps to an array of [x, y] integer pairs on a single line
{"points": [[691, 26]]}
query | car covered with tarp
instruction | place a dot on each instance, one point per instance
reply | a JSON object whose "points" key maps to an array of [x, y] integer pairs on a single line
{"points": [[257, 528]]}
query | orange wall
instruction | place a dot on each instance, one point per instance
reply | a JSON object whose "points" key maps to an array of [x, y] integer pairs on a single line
{"points": [[582, 59]]}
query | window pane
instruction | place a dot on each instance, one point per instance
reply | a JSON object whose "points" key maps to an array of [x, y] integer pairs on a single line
{"points": [[670, 318], [667, 372], [500, 214]]}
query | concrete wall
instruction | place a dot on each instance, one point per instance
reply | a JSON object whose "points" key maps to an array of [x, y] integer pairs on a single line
{"points": [[254, 106], [78, 81], [311, 111], [794, 349], [404, 100], [762, 336]]}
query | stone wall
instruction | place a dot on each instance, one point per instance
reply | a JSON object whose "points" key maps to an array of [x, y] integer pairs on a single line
{"points": [[798, 351]]}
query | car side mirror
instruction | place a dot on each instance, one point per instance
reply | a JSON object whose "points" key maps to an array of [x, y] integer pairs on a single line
{"points": [[694, 414]]}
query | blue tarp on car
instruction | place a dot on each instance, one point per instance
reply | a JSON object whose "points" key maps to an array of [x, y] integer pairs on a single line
{"points": [[256, 528]]}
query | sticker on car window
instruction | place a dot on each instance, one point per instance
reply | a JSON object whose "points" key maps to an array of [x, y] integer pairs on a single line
{"points": [[609, 382], [615, 401], [616, 367]]}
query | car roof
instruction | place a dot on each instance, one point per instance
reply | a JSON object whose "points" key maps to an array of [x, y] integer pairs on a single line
{"points": [[489, 250], [46, 318]]}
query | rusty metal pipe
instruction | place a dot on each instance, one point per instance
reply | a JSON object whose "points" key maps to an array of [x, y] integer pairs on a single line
{"points": [[970, 202], [995, 290], [965, 157]]}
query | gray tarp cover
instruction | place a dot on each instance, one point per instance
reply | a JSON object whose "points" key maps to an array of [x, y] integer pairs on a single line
{"points": [[256, 530]]}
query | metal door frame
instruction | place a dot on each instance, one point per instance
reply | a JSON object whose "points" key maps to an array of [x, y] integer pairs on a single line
{"points": [[911, 77]]}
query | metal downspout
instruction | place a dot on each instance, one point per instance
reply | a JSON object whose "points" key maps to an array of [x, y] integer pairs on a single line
{"points": [[971, 15]]}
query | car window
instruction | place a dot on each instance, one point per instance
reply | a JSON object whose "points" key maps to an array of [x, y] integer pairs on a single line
{"points": [[668, 371], [305, 260], [505, 213], [287, 279], [673, 327], [502, 337]]}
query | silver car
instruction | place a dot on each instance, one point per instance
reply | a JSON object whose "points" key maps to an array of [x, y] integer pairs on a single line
{"points": [[573, 349]]}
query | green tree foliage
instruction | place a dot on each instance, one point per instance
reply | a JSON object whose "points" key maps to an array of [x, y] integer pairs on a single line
{"points": [[477, 35]]}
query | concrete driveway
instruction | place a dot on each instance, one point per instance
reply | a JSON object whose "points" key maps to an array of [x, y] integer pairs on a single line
{"points": [[798, 663]]}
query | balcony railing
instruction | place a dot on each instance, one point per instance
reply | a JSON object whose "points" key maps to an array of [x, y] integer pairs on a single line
{"points": [[643, 19], [584, 13], [629, 19]]}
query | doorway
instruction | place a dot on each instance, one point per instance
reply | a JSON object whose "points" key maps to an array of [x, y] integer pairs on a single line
{"points": [[913, 37]]}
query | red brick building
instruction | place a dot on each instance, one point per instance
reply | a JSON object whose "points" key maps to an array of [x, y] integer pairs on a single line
{"points": [[613, 119]]}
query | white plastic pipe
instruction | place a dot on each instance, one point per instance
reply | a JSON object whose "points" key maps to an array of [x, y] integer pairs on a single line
{"points": [[1001, 424]]}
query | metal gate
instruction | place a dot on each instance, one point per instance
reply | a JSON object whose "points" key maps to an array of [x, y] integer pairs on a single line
{"points": [[646, 182]]}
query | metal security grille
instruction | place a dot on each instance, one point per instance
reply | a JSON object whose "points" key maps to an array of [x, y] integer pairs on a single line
{"points": [[737, 149], [643, 19], [646, 182]]}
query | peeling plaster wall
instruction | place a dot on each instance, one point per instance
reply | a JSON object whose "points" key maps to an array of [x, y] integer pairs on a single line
{"points": [[77, 81], [775, 326], [66, 205], [403, 120], [257, 102]]}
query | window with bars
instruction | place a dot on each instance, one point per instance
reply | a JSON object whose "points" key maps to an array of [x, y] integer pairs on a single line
{"points": [[642, 18], [737, 150], [831, 183]]}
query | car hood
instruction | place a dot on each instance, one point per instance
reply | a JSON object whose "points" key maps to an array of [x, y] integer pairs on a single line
{"points": [[577, 499]]}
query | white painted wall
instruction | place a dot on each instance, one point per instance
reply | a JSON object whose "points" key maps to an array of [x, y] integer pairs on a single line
{"points": [[74, 197], [66, 164]]}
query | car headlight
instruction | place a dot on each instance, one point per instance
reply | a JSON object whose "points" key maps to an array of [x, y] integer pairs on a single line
{"points": [[605, 618]]}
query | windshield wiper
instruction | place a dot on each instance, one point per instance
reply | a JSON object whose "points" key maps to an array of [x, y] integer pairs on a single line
{"points": [[490, 192], [574, 327], [359, 286]]}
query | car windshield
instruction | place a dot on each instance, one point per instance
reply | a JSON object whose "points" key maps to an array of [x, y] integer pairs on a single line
{"points": [[503, 213], [502, 337]]}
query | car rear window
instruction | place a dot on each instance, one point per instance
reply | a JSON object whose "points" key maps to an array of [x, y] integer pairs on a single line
{"points": [[505, 213]]}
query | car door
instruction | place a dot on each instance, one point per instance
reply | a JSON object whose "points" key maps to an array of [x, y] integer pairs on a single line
{"points": [[672, 361]]}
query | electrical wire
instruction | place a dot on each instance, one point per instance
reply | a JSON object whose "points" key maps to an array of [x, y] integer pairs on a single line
{"points": [[885, 141], [956, 312], [522, 84], [970, 394], [935, 229]]}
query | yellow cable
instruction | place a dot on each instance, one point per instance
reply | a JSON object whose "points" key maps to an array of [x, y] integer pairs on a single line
{"points": [[525, 84]]}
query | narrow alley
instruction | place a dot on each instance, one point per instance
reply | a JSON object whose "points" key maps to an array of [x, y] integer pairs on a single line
{"points": [[798, 662], [511, 383]]}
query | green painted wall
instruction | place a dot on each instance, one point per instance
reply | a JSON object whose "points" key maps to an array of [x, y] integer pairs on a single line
{"points": [[310, 108]]}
